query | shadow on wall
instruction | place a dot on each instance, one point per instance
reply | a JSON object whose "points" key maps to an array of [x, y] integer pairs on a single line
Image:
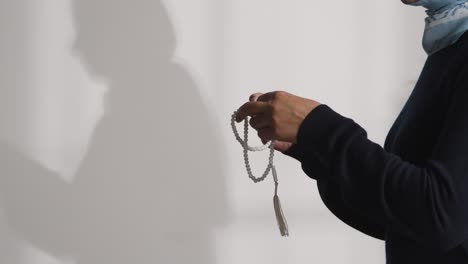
{"points": [[12, 50], [151, 187]]}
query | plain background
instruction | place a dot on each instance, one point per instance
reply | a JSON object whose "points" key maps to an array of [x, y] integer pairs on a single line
{"points": [[114, 124]]}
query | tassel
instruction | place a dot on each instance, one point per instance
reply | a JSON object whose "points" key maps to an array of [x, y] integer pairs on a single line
{"points": [[282, 224], [280, 218]]}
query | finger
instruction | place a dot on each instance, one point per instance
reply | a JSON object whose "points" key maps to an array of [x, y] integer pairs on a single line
{"points": [[281, 145], [253, 97], [267, 97], [265, 134], [259, 121], [277, 144], [251, 109]]}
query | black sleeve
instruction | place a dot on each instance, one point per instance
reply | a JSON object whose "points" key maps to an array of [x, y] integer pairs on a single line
{"points": [[427, 203], [330, 193]]}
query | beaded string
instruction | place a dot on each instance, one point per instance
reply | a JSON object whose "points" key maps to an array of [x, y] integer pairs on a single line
{"points": [[248, 148], [281, 220]]}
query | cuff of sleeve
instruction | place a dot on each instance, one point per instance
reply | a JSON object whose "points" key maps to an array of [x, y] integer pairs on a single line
{"points": [[310, 165], [322, 130], [296, 151]]}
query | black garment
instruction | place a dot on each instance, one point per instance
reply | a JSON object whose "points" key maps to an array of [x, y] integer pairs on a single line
{"points": [[413, 193]]}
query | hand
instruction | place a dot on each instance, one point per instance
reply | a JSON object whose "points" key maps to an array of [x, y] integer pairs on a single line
{"points": [[279, 145], [276, 116]]}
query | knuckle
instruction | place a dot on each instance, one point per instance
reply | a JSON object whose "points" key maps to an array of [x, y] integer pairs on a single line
{"points": [[274, 113], [274, 96], [278, 95], [254, 96], [272, 106]]}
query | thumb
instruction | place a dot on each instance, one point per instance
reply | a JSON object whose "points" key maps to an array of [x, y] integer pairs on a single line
{"points": [[281, 146]]}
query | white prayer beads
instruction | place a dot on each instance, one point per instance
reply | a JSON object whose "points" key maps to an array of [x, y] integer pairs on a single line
{"points": [[248, 148], [280, 218]]}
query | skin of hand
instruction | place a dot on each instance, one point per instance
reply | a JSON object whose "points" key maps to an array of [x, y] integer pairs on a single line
{"points": [[276, 116]]}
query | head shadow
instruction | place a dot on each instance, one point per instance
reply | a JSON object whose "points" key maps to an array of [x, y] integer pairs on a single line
{"points": [[151, 187], [13, 50]]}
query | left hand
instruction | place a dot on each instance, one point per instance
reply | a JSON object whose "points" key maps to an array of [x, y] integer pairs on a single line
{"points": [[276, 115]]}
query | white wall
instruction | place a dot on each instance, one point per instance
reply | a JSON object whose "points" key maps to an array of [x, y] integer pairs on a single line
{"points": [[116, 144]]}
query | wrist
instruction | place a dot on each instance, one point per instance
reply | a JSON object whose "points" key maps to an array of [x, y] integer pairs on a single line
{"points": [[302, 112]]}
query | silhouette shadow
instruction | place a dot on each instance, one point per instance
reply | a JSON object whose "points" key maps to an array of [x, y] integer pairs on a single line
{"points": [[12, 51], [150, 188]]}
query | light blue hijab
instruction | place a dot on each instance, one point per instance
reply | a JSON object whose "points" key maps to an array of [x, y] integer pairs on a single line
{"points": [[446, 22]]}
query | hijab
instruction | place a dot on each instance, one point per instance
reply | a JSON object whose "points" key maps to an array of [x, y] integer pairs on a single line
{"points": [[446, 22]]}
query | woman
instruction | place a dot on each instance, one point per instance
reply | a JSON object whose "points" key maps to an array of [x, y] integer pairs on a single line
{"points": [[413, 193]]}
